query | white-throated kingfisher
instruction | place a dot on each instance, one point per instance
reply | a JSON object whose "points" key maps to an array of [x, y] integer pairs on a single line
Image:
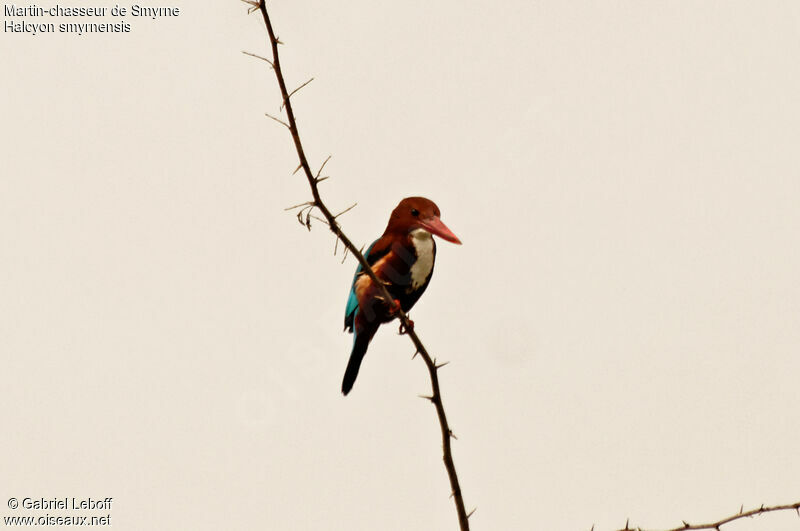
{"points": [[403, 260]]}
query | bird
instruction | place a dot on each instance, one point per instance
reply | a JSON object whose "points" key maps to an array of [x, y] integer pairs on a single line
{"points": [[402, 258]]}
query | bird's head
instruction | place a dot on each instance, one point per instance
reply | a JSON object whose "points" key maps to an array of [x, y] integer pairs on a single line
{"points": [[419, 213]]}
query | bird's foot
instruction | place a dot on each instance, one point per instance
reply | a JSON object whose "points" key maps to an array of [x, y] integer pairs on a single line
{"points": [[403, 330]]}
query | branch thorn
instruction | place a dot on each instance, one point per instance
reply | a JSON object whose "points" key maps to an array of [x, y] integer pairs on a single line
{"points": [[254, 6], [256, 55], [292, 93], [323, 164], [351, 207]]}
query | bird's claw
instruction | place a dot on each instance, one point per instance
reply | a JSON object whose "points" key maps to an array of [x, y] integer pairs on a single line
{"points": [[403, 330], [394, 311]]}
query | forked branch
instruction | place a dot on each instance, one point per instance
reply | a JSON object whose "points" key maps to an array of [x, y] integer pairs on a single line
{"points": [[333, 224]]}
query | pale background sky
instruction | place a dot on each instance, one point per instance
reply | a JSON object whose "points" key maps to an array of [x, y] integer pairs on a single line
{"points": [[621, 321]]}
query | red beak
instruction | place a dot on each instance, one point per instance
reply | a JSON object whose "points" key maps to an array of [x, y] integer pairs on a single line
{"points": [[435, 226]]}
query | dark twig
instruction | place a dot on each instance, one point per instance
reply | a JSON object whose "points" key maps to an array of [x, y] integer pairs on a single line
{"points": [[436, 397], [715, 526]]}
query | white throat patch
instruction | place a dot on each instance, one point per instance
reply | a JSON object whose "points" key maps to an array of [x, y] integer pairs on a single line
{"points": [[423, 246]]}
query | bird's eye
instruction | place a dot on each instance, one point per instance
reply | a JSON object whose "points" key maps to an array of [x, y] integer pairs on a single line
{"points": [[414, 212]]}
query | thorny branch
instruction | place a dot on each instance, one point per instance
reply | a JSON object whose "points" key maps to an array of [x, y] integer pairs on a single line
{"points": [[304, 215], [716, 526], [305, 218]]}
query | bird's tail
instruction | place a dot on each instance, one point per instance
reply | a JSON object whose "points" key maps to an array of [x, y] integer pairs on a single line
{"points": [[361, 341]]}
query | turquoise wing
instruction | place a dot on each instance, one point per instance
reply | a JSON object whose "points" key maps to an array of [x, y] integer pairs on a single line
{"points": [[352, 301]]}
